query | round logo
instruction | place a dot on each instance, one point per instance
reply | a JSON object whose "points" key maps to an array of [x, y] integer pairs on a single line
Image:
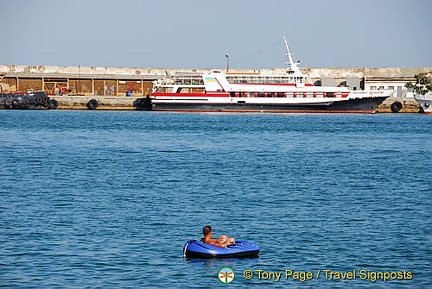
{"points": [[226, 275]]}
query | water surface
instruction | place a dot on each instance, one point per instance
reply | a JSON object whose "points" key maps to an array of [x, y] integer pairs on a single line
{"points": [[99, 199]]}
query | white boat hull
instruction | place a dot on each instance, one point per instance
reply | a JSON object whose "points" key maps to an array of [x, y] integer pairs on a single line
{"points": [[425, 101], [218, 104]]}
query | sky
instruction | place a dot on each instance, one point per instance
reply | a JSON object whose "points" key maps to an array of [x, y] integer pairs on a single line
{"points": [[199, 33]]}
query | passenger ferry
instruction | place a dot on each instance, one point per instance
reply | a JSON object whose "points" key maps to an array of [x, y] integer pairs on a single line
{"points": [[286, 93]]}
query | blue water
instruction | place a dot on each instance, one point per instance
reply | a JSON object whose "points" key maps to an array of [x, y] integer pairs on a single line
{"points": [[98, 199]]}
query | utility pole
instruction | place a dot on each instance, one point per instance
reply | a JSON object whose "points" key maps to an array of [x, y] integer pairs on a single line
{"points": [[227, 57]]}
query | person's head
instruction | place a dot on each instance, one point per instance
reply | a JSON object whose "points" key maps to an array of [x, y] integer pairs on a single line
{"points": [[207, 230]]}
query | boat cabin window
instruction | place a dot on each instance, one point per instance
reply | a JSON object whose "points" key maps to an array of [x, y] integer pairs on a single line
{"points": [[252, 94], [180, 90], [280, 94], [197, 90], [232, 94], [299, 79], [164, 90], [190, 90], [330, 94], [191, 80], [265, 79], [261, 94], [270, 94]]}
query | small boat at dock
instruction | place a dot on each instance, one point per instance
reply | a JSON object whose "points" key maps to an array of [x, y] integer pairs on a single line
{"points": [[425, 101]]}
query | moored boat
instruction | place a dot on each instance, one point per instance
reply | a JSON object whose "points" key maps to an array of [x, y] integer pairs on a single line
{"points": [[290, 92], [425, 101]]}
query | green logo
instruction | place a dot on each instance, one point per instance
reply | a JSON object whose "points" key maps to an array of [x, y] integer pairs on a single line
{"points": [[226, 275]]}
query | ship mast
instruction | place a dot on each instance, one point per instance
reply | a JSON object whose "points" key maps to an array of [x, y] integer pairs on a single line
{"points": [[293, 66]]}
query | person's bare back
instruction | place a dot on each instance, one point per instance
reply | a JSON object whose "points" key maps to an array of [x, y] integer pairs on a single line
{"points": [[222, 241]]}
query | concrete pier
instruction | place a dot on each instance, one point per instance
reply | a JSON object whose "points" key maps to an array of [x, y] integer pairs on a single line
{"points": [[409, 105], [104, 102]]}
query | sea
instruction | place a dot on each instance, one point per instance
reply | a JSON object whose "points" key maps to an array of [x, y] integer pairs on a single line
{"points": [[107, 199]]}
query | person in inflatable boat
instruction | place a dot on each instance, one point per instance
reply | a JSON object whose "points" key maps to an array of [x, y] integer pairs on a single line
{"points": [[222, 241]]}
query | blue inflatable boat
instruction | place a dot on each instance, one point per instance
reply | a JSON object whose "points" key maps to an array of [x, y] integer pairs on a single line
{"points": [[241, 249]]}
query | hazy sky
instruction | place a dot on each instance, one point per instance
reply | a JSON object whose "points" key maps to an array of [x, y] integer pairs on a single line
{"points": [[198, 34]]}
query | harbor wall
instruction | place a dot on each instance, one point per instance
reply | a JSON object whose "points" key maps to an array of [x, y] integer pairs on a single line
{"points": [[104, 102], [150, 73]]}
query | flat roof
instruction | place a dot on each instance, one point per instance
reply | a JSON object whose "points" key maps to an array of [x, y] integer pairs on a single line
{"points": [[84, 76]]}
